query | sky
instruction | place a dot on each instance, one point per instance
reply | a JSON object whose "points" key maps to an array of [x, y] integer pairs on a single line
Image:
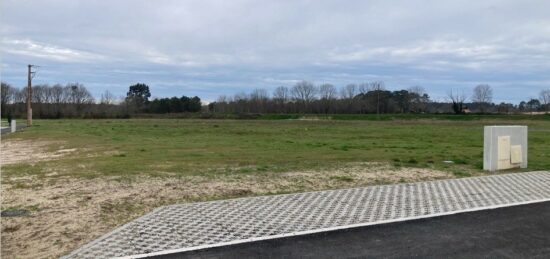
{"points": [[209, 48]]}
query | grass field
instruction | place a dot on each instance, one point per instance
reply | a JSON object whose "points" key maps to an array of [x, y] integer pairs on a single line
{"points": [[80, 178], [126, 148]]}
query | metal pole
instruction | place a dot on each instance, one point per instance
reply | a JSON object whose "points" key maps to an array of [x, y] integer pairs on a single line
{"points": [[29, 98]]}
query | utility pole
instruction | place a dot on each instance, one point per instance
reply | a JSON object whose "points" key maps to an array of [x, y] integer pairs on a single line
{"points": [[30, 75]]}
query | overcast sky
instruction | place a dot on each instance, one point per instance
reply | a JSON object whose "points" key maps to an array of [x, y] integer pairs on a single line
{"points": [[208, 48]]}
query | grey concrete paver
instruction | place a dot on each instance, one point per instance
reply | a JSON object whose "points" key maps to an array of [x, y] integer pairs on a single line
{"points": [[205, 224]]}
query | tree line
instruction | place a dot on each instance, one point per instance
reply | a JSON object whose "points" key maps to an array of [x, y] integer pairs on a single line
{"points": [[372, 97], [73, 100]]}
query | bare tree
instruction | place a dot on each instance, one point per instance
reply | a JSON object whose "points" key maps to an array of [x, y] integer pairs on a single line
{"points": [[327, 93], [483, 95], [545, 98], [107, 98], [20, 95], [221, 104], [303, 92], [39, 94], [280, 94], [7, 93], [259, 95], [349, 91], [377, 86], [364, 88], [222, 99], [48, 95], [458, 100], [58, 96], [258, 99], [7, 96]]}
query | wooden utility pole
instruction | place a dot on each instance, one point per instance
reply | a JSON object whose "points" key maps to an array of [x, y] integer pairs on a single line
{"points": [[30, 75]]}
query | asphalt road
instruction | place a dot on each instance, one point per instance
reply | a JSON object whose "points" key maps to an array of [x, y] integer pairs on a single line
{"points": [[511, 232]]}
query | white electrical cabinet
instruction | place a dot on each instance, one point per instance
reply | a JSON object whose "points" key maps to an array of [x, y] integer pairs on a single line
{"points": [[504, 147]]}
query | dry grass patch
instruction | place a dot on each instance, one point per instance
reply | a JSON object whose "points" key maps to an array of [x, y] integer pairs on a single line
{"points": [[17, 151], [70, 212]]}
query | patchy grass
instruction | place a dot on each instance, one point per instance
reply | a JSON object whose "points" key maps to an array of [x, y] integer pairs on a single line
{"points": [[81, 178], [170, 147]]}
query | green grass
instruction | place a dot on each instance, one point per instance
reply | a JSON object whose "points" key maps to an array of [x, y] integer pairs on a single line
{"points": [[159, 147]]}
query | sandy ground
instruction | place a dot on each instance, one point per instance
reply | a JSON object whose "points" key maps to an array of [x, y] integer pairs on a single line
{"points": [[70, 212], [27, 151]]}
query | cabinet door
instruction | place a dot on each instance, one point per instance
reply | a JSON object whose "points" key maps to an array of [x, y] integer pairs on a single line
{"points": [[504, 152]]}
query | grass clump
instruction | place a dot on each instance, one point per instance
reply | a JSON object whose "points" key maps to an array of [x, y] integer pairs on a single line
{"points": [[342, 178]]}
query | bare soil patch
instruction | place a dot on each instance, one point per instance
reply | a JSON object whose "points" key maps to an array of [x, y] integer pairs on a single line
{"points": [[31, 151], [67, 213]]}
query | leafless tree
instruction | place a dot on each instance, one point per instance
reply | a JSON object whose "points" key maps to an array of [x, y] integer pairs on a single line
{"points": [[221, 104], [6, 93], [57, 94], [258, 99], [327, 93], [483, 95], [21, 95], [48, 95], [222, 99], [107, 98], [40, 93], [280, 94], [259, 95], [545, 98], [349, 91], [458, 100], [364, 88], [303, 92]]}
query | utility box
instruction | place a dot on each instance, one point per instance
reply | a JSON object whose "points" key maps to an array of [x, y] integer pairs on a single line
{"points": [[13, 126], [504, 147]]}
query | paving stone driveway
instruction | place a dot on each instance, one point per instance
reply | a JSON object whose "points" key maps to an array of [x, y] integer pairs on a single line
{"points": [[204, 224]]}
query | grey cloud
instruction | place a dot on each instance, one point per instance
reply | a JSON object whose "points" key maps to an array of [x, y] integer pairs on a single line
{"points": [[241, 44]]}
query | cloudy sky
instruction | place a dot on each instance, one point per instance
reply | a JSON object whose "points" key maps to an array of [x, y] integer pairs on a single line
{"points": [[208, 48]]}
